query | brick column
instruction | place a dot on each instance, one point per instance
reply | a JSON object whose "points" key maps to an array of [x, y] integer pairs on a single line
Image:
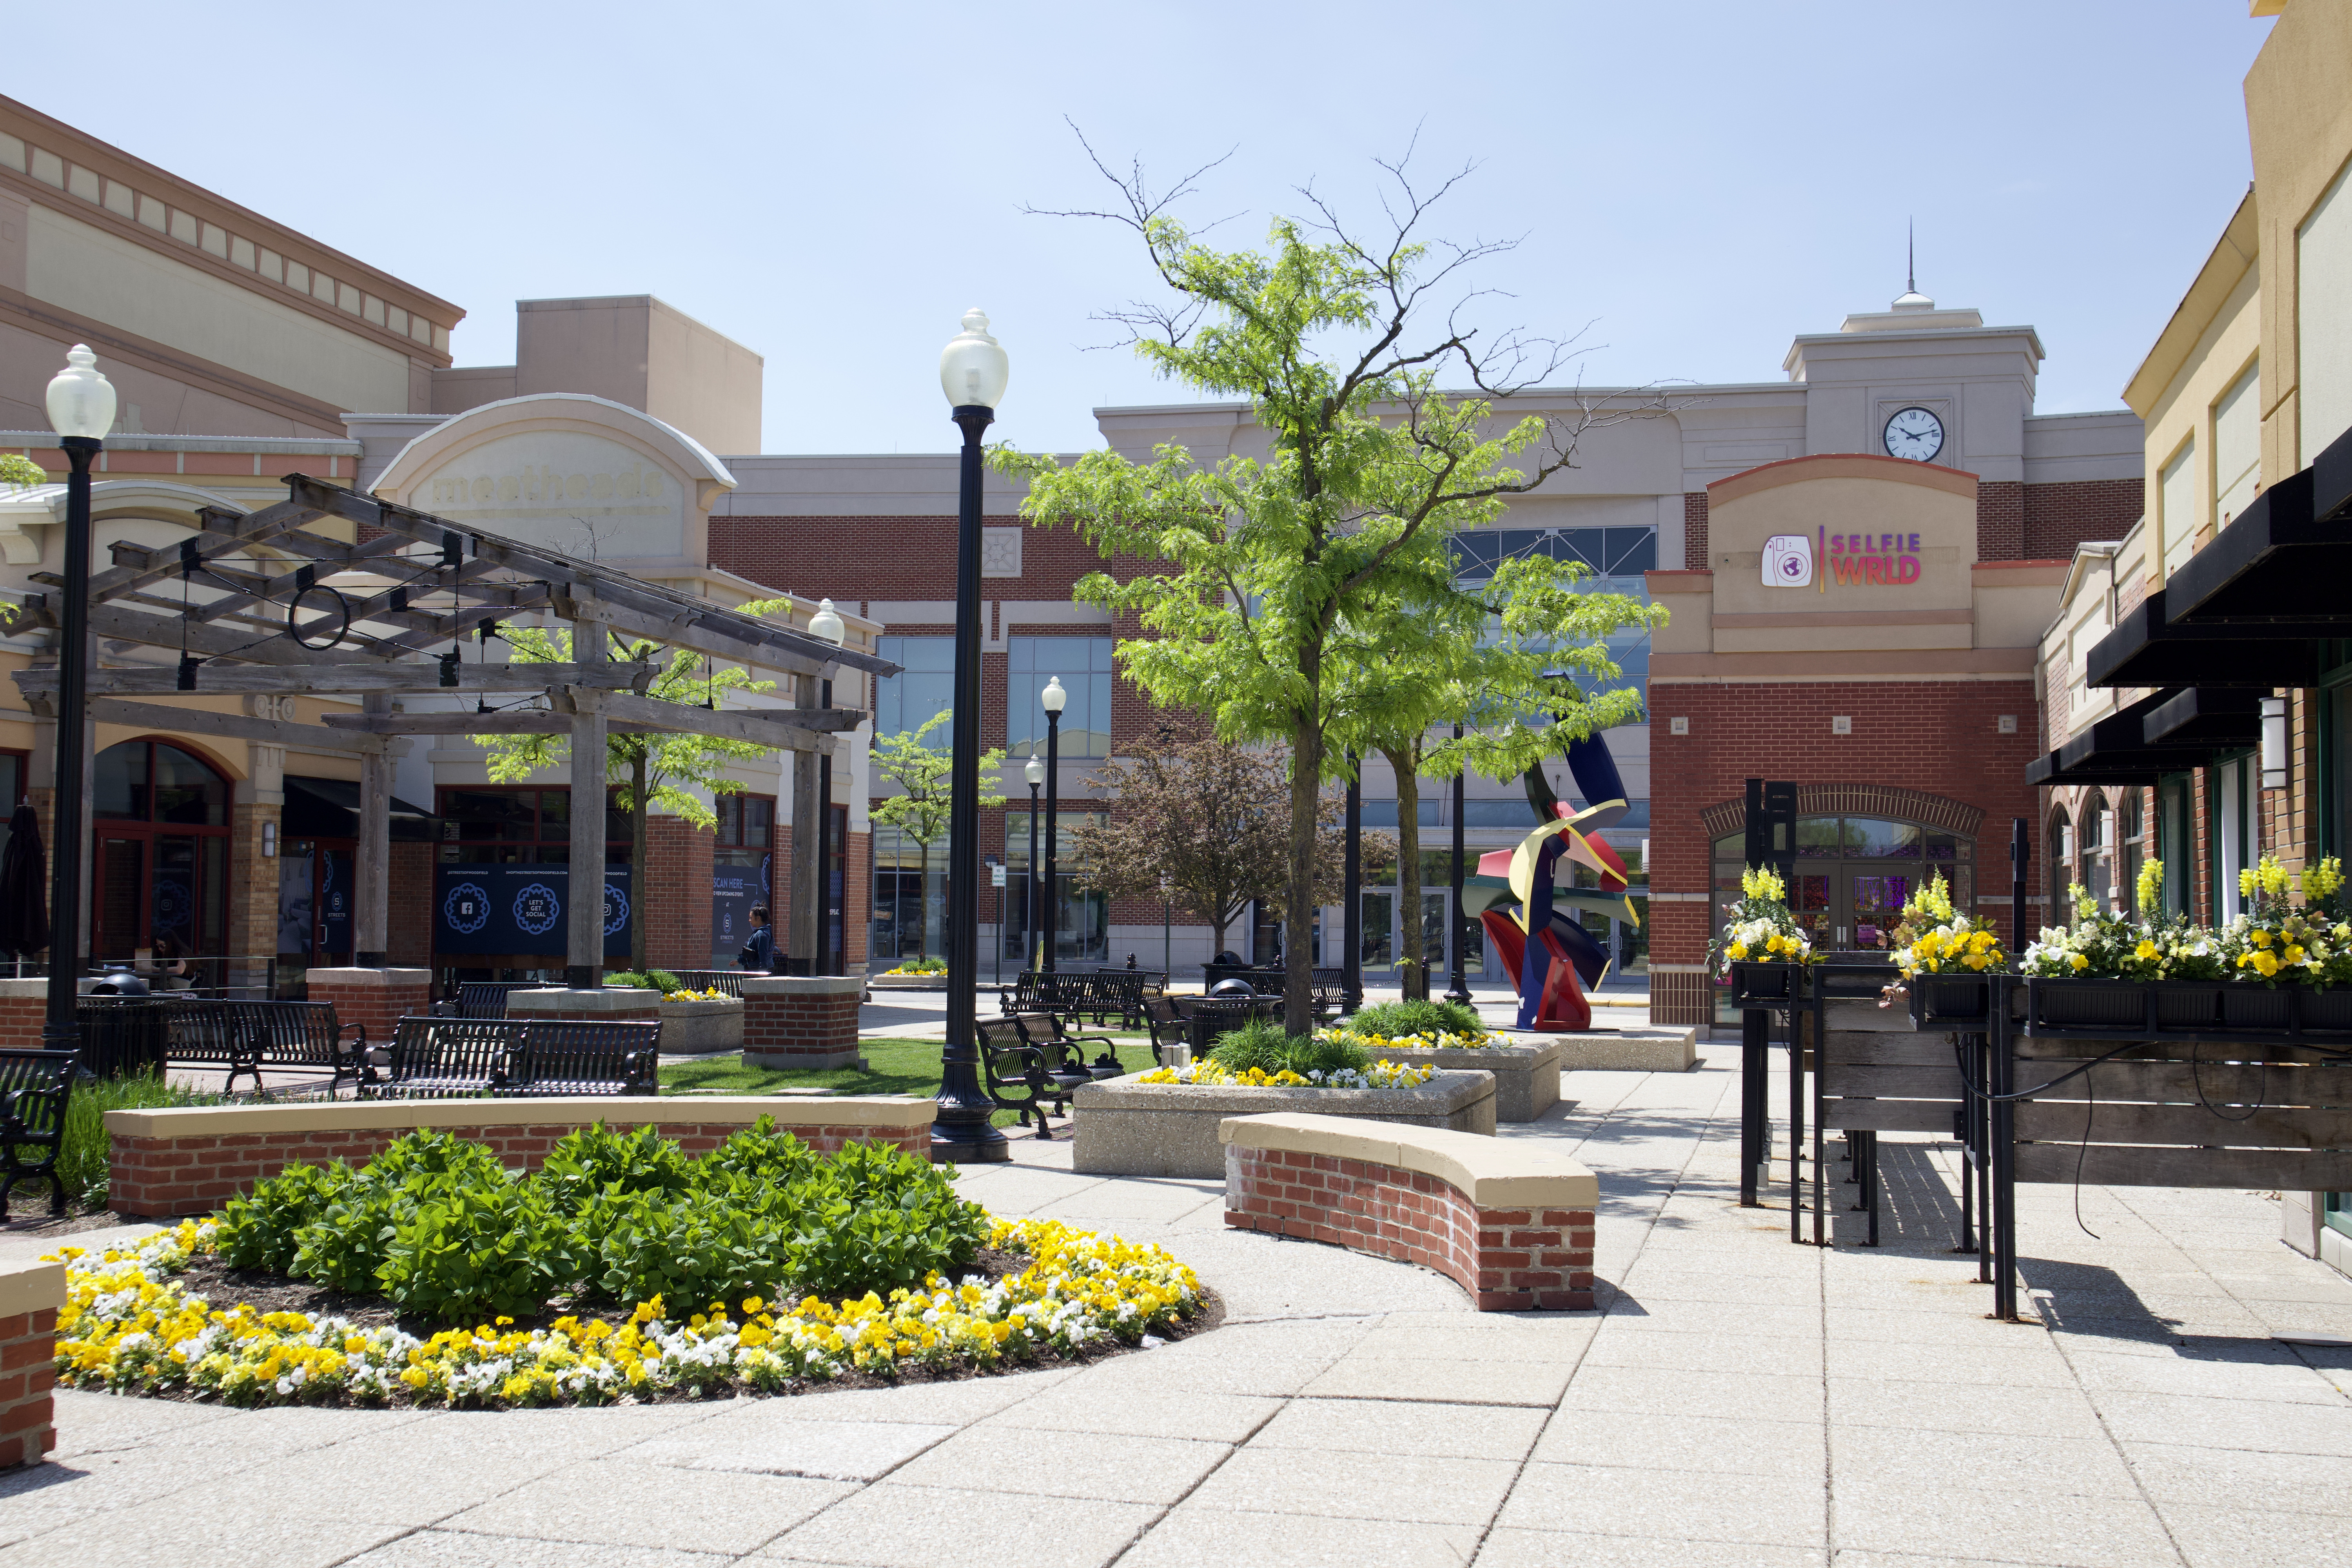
{"points": [[605, 1004], [410, 940], [2000, 519], [252, 890], [801, 1021], [30, 1295], [674, 893], [376, 999], [24, 1009]]}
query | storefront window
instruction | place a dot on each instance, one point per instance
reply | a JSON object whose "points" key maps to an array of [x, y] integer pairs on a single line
{"points": [[2174, 843], [521, 826], [1080, 916], [1853, 876], [1084, 665], [740, 871], [906, 703], [160, 860]]}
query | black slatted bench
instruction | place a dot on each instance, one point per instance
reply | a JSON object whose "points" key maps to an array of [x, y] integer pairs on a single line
{"points": [[34, 1086], [453, 1059], [481, 998], [246, 1036]]}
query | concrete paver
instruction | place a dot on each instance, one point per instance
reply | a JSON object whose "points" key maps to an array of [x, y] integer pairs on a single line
{"points": [[1738, 1401]]}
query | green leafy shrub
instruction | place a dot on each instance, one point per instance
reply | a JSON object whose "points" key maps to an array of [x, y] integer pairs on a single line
{"points": [[664, 982], [625, 977], [436, 1225], [1261, 1044], [1395, 1019]]}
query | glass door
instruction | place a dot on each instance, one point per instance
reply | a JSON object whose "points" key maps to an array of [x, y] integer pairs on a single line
{"points": [[1874, 899], [1379, 936]]}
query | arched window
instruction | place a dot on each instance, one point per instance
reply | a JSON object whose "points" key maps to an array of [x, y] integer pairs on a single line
{"points": [[2095, 869], [2131, 846], [2058, 862], [160, 871]]}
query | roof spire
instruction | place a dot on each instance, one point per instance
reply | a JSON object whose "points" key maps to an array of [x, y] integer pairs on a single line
{"points": [[1912, 299]]}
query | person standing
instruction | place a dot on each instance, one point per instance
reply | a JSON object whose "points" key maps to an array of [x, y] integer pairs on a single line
{"points": [[759, 950]]}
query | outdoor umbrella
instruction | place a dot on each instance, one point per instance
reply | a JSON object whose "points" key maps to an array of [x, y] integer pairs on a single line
{"points": [[24, 887]]}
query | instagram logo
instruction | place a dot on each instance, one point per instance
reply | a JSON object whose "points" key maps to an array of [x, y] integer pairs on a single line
{"points": [[1788, 561]]}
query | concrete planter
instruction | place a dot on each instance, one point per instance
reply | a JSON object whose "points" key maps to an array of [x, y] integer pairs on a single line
{"points": [[1527, 1074], [1663, 1049], [696, 1029], [1128, 1127], [906, 982]]}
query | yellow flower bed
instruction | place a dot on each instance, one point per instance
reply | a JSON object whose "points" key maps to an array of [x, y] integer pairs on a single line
{"points": [[1426, 1040], [1379, 1075], [713, 994], [127, 1326]]}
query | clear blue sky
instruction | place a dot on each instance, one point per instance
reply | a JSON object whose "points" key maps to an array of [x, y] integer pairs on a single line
{"points": [[834, 186]]}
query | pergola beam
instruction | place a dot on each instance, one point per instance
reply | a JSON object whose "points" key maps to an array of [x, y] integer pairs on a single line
{"points": [[332, 679], [254, 528], [231, 726]]}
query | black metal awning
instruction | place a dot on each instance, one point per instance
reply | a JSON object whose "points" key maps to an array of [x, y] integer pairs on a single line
{"points": [[2115, 750], [2147, 649], [2220, 719], [2286, 558]]}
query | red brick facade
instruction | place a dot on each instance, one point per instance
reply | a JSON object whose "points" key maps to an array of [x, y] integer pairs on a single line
{"points": [[1510, 1260], [161, 1177], [410, 942], [801, 1023], [2001, 519], [1694, 530], [1932, 750], [674, 893], [27, 1374], [2058, 517], [374, 1007]]}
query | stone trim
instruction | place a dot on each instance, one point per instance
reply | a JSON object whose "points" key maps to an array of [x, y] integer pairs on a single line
{"points": [[203, 1167]]}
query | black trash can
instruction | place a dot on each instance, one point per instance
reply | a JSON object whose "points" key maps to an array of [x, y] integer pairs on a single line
{"points": [[122, 1036]]}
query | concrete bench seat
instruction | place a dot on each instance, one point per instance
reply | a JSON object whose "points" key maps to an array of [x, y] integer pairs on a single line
{"points": [[1509, 1221]]}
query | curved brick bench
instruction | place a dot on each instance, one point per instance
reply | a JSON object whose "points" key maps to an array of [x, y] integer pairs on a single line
{"points": [[193, 1161], [1508, 1222]]}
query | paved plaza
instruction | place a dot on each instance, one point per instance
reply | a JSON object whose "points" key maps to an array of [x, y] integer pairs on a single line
{"points": [[1738, 1401]]}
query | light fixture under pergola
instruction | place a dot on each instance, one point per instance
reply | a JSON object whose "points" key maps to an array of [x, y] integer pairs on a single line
{"points": [[388, 615]]}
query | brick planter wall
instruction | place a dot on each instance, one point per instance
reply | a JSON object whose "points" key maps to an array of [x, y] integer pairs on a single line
{"points": [[30, 1295], [1510, 1260], [801, 1021], [376, 999], [190, 1161], [608, 1005]]}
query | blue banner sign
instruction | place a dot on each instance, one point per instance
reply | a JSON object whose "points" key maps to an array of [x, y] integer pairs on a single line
{"points": [[519, 909]]}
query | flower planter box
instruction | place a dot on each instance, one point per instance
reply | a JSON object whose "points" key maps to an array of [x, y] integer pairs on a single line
{"points": [[2187, 1010], [697, 1029], [1128, 1127], [1767, 985], [1955, 1002], [1527, 1075]]}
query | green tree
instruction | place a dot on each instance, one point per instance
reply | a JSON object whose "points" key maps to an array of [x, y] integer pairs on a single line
{"points": [[674, 769], [1259, 566], [925, 777]]}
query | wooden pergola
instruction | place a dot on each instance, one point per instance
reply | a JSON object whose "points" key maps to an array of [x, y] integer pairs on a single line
{"points": [[285, 610]]}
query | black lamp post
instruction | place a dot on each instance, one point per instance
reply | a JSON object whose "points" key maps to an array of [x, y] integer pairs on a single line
{"points": [[1352, 918], [1035, 772], [1053, 697], [1458, 990], [973, 373], [81, 411]]}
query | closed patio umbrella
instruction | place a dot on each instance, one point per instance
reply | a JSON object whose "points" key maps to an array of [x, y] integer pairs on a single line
{"points": [[24, 887]]}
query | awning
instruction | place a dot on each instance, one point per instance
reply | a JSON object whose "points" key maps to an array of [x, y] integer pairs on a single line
{"points": [[2222, 719], [2287, 558], [2115, 750], [344, 794], [2146, 649]]}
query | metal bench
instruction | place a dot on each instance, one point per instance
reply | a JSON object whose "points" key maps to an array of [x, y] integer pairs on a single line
{"points": [[1066, 1052], [1015, 1073], [34, 1086], [246, 1036], [448, 1059], [481, 998]]}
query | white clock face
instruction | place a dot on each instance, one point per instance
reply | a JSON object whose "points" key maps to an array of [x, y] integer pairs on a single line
{"points": [[1914, 435]]}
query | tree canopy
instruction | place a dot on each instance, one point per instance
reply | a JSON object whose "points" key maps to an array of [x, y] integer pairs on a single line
{"points": [[1263, 574]]}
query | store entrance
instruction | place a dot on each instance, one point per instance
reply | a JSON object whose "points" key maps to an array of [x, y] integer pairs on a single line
{"points": [[314, 902], [1852, 906]]}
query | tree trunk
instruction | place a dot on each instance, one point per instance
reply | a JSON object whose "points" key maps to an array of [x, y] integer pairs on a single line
{"points": [[922, 910], [1305, 803], [639, 880], [1412, 967]]}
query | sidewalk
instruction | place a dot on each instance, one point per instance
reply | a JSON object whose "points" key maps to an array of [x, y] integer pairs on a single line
{"points": [[1738, 1401]]}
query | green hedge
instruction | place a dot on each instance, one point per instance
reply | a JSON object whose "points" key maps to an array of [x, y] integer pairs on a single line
{"points": [[1263, 1045], [1398, 1019], [438, 1228]]}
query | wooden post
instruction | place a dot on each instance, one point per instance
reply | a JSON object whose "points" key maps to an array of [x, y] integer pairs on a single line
{"points": [[804, 933], [372, 920], [584, 945]]}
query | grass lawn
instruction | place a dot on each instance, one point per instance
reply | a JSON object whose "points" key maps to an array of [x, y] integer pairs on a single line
{"points": [[899, 1066]]}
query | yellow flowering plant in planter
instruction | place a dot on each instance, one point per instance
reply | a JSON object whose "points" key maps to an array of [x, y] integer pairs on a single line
{"points": [[1932, 938], [1759, 927], [2274, 942]]}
